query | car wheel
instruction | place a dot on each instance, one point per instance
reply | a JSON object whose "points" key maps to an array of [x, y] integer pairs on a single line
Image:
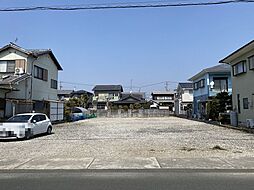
{"points": [[49, 130], [28, 134]]}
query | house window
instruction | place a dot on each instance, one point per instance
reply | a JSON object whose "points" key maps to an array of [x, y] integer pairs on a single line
{"points": [[195, 86], [40, 73], [201, 83], [251, 62], [7, 66], [239, 68], [220, 84], [53, 84], [245, 103]]}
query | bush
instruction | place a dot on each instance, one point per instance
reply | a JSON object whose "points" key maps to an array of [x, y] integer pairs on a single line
{"points": [[217, 105]]}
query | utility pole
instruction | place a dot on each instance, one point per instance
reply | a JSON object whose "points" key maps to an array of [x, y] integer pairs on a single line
{"points": [[60, 85], [131, 86], [166, 85]]}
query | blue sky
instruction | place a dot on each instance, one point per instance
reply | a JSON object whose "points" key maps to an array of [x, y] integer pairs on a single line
{"points": [[145, 45]]}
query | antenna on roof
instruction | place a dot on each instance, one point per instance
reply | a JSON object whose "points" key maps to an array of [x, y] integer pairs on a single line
{"points": [[16, 40]]}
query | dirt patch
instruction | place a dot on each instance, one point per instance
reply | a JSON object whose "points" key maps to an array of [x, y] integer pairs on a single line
{"points": [[217, 147], [188, 149]]}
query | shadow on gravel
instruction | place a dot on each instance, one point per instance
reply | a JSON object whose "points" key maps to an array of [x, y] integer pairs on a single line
{"points": [[17, 140]]}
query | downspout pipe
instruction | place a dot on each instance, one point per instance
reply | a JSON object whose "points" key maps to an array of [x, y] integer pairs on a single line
{"points": [[32, 75]]}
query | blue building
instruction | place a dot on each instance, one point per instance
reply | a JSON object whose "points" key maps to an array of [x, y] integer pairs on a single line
{"points": [[208, 83]]}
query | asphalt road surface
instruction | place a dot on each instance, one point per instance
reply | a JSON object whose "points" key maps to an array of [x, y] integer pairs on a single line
{"points": [[126, 179]]}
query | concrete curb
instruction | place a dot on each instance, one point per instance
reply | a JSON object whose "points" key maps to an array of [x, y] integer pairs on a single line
{"points": [[244, 129]]}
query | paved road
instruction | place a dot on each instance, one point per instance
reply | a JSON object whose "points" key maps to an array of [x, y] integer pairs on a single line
{"points": [[127, 179]]}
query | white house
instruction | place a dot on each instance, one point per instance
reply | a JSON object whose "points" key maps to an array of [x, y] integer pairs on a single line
{"points": [[28, 81], [184, 98]]}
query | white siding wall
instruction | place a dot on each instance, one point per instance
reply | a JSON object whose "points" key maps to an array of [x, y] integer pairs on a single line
{"points": [[42, 89], [187, 97]]}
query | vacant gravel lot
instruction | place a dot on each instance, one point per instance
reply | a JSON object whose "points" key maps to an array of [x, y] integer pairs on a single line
{"points": [[169, 137]]}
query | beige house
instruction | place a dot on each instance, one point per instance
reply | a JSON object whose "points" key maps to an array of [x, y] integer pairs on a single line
{"points": [[242, 63], [105, 95], [28, 80]]}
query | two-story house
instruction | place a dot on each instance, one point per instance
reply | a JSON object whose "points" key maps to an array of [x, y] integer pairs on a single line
{"points": [[242, 65], [183, 98], [163, 100], [106, 94], [28, 80], [65, 95], [208, 83]]}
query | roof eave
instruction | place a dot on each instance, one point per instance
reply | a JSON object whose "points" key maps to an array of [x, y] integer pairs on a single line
{"points": [[200, 74], [56, 61], [242, 50]]}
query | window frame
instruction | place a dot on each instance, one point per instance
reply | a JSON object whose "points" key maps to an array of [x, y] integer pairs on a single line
{"points": [[220, 79], [243, 62], [40, 73], [53, 84], [249, 58], [245, 103], [195, 86], [7, 62]]}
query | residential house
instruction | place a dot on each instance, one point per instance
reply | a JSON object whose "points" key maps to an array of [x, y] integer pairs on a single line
{"points": [[184, 98], [128, 99], [28, 81], [242, 66], [105, 95], [65, 95], [163, 100], [207, 84]]}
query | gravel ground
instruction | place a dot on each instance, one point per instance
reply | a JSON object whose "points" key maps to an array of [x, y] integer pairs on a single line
{"points": [[169, 137]]}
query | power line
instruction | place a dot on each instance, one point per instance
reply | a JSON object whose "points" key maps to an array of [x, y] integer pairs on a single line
{"points": [[135, 87], [75, 83], [119, 6]]}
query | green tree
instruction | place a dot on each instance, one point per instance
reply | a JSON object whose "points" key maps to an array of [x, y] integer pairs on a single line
{"points": [[219, 104], [74, 102], [146, 105], [137, 106]]}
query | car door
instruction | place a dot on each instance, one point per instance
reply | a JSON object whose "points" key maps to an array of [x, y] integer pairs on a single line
{"points": [[36, 124], [43, 123]]}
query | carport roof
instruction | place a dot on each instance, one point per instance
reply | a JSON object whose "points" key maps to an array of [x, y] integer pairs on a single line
{"points": [[12, 79]]}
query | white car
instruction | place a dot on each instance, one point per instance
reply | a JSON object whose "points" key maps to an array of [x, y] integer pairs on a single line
{"points": [[25, 126]]}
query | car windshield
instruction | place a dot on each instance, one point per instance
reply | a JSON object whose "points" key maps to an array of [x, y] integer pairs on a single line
{"points": [[19, 118]]}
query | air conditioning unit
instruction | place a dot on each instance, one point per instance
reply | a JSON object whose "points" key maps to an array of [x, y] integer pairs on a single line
{"points": [[250, 123], [19, 71]]}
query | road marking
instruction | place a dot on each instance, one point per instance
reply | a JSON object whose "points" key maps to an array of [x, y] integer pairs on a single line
{"points": [[90, 163]]}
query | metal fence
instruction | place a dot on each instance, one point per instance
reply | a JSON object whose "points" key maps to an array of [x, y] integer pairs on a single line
{"points": [[134, 113]]}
